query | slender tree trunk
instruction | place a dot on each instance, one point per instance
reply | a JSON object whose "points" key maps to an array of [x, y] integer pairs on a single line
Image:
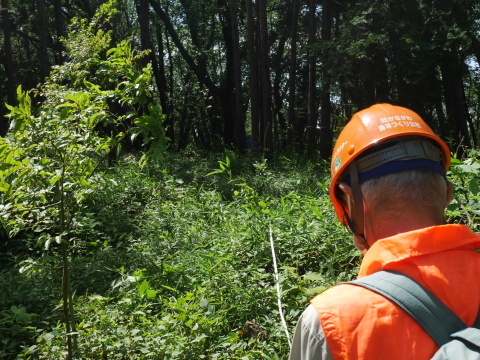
{"points": [[292, 74], [266, 120], [457, 112], [280, 125], [42, 37], [9, 66], [68, 311], [368, 74], [239, 126], [143, 12], [471, 129], [326, 136], [171, 83], [312, 78], [141, 7], [228, 87], [60, 29], [185, 120], [253, 77], [165, 101]]}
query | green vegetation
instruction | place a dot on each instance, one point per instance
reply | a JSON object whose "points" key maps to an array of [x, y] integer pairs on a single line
{"points": [[174, 261]]}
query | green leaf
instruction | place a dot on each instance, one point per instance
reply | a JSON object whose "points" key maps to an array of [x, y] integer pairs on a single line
{"points": [[473, 186], [315, 211], [143, 287], [54, 179], [199, 338], [151, 293], [473, 168], [313, 276]]}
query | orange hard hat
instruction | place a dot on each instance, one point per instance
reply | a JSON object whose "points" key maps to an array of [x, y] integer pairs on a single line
{"points": [[373, 126]]}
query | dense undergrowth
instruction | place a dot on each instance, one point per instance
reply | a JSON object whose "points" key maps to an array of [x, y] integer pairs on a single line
{"points": [[175, 261]]}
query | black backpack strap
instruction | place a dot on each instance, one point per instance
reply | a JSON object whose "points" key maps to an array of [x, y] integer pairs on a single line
{"points": [[417, 301]]}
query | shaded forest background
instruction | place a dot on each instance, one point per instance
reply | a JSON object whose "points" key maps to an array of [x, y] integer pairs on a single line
{"points": [[271, 74]]}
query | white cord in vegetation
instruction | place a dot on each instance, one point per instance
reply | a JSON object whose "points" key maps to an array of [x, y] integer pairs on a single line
{"points": [[278, 288]]}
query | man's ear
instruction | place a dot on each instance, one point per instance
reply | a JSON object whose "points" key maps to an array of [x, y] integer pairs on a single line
{"points": [[346, 189], [347, 197], [449, 193]]}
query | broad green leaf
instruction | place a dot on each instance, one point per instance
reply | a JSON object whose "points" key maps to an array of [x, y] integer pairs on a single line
{"points": [[54, 179], [313, 276], [143, 287], [151, 293]]}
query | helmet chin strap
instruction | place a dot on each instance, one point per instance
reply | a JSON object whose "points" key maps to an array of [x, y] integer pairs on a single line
{"points": [[356, 221]]}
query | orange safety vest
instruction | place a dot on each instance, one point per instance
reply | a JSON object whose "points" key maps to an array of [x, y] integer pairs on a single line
{"points": [[362, 325]]}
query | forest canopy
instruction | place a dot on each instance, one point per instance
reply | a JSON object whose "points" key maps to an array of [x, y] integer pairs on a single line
{"points": [[272, 75]]}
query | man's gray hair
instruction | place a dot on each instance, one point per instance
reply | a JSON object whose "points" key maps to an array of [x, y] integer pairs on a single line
{"points": [[389, 196]]}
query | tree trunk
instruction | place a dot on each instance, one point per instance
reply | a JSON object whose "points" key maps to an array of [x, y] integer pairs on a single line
{"points": [[9, 66], [326, 136], [185, 120], [227, 99], [165, 100], [42, 37], [239, 125], [141, 6], [253, 77], [280, 126], [60, 29], [312, 79], [457, 113], [292, 134], [266, 101], [143, 12]]}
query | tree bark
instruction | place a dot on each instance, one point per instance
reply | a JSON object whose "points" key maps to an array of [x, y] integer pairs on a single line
{"points": [[9, 66], [43, 62], [165, 100], [457, 112], [312, 79], [239, 125], [253, 77], [266, 128], [280, 123], [292, 134], [143, 12], [142, 9], [229, 90], [60, 29], [326, 136]]}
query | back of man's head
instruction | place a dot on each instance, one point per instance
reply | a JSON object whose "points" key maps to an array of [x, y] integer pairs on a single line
{"points": [[398, 197]]}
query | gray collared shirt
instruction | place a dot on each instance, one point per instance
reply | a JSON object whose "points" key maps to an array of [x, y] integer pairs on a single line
{"points": [[309, 342]]}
